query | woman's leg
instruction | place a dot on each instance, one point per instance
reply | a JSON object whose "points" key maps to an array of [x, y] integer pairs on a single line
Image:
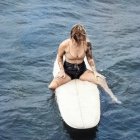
{"points": [[56, 82], [89, 76]]}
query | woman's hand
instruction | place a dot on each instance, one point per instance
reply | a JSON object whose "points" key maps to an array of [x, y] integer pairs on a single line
{"points": [[61, 74]]}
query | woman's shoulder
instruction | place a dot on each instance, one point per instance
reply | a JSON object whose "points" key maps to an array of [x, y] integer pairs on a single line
{"points": [[64, 43]]}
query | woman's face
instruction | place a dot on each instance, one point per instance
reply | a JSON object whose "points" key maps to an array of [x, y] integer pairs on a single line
{"points": [[78, 33], [79, 37]]}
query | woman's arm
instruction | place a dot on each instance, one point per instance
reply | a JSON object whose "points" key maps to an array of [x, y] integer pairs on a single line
{"points": [[89, 57], [91, 60], [60, 54]]}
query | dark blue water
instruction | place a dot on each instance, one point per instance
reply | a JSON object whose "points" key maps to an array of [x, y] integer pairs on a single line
{"points": [[30, 32]]}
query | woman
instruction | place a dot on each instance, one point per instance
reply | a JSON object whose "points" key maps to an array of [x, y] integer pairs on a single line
{"points": [[75, 49]]}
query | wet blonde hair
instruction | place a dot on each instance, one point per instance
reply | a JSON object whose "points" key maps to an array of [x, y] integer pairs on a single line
{"points": [[78, 29]]}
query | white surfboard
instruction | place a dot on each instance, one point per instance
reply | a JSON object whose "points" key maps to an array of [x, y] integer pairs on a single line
{"points": [[78, 102]]}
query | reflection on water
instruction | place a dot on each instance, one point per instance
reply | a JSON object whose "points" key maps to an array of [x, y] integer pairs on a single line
{"points": [[81, 134]]}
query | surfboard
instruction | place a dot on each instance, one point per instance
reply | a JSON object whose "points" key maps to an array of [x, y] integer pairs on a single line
{"points": [[78, 102]]}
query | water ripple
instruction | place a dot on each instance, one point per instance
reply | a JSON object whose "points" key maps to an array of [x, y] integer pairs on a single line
{"points": [[30, 35]]}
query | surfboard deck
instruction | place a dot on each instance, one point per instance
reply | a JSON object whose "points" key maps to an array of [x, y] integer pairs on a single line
{"points": [[78, 102]]}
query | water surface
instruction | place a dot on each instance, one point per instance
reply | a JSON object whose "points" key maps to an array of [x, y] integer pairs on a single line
{"points": [[30, 32]]}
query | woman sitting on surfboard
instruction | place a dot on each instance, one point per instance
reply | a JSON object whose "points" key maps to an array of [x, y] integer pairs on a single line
{"points": [[75, 49]]}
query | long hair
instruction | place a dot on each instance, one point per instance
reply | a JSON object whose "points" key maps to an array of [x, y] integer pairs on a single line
{"points": [[76, 30]]}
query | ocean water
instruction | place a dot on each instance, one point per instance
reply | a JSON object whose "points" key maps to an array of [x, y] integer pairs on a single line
{"points": [[30, 33]]}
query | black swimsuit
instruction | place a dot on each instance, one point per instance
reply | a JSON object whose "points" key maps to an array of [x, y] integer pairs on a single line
{"points": [[74, 70]]}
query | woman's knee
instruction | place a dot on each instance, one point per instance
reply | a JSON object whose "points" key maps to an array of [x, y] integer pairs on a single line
{"points": [[53, 85], [58, 82]]}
